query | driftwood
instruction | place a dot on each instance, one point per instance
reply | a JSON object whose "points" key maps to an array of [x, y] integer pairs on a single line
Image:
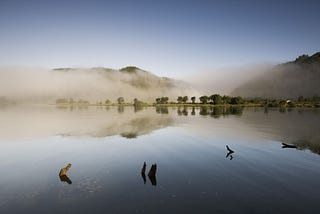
{"points": [[153, 170], [151, 174], [230, 152], [284, 145], [143, 170], [63, 174], [65, 178]]}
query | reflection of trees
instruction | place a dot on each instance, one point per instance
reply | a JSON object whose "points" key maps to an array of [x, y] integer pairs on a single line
{"points": [[203, 111], [182, 111], [234, 111], [216, 112], [162, 110], [137, 108], [282, 110], [299, 127], [120, 108], [193, 111], [140, 124], [129, 135], [306, 144]]}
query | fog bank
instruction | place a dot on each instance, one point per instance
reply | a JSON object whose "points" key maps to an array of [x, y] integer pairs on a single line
{"points": [[38, 85]]}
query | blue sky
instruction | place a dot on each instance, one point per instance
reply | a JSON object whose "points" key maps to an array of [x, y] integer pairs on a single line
{"points": [[168, 38]]}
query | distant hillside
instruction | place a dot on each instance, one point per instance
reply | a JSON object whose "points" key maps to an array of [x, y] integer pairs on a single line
{"points": [[131, 76], [91, 84], [288, 80]]}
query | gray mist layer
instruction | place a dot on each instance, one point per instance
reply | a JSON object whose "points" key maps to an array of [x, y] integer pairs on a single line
{"points": [[32, 85], [290, 80]]}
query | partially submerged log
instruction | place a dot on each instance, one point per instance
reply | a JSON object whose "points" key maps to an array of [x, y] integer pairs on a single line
{"points": [[229, 150], [284, 145], [143, 170], [153, 170], [63, 174], [64, 170]]}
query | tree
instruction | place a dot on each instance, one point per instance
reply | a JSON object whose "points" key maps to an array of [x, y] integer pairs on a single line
{"points": [[185, 99], [137, 102], [204, 99], [216, 99], [120, 100], [193, 99], [226, 99], [180, 99], [236, 100], [158, 100], [107, 101], [164, 100]]}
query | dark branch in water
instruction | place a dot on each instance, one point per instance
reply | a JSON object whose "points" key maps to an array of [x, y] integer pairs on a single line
{"points": [[229, 150], [284, 145], [143, 170], [63, 174]]}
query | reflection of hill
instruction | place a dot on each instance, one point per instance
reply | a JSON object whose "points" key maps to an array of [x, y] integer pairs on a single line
{"points": [[299, 127], [137, 126], [34, 121]]}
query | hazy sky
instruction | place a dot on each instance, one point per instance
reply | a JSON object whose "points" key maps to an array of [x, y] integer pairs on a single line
{"points": [[169, 38]]}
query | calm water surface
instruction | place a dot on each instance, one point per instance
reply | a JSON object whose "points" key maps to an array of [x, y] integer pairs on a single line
{"points": [[107, 148]]}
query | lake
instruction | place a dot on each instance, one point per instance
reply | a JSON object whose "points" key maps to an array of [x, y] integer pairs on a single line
{"points": [[107, 147]]}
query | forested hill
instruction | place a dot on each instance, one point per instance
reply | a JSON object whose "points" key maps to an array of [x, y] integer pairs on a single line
{"points": [[300, 77]]}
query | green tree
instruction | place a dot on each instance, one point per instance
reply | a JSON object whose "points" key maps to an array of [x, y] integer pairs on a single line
{"points": [[120, 100], [204, 99], [164, 100], [216, 99], [193, 99], [236, 100], [185, 99], [180, 99], [226, 99]]}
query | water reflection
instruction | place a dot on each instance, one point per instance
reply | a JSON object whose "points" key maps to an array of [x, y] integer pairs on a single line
{"points": [[193, 111], [162, 110], [298, 126], [143, 172], [120, 109], [217, 112], [151, 174], [65, 178], [182, 111]]}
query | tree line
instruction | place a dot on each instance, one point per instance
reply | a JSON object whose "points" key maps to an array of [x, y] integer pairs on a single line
{"points": [[215, 99]]}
